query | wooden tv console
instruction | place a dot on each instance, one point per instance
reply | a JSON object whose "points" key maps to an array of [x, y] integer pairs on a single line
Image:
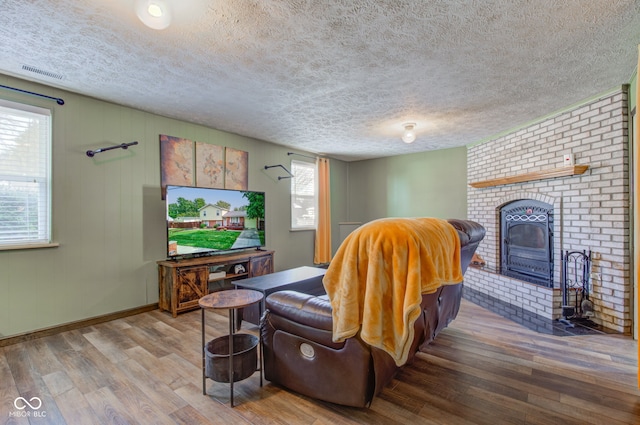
{"points": [[183, 282]]}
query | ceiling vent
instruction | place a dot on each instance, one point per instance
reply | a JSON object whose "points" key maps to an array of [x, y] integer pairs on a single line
{"points": [[42, 72]]}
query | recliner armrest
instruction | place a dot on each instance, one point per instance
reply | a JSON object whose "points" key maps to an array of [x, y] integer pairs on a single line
{"points": [[305, 309], [469, 231]]}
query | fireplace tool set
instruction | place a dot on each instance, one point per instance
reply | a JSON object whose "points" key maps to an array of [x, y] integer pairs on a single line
{"points": [[576, 271]]}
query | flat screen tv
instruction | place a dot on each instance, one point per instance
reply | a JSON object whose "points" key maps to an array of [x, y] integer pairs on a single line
{"points": [[203, 221]]}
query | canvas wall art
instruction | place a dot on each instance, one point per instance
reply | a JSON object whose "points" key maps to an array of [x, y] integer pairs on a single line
{"points": [[236, 169], [209, 166], [176, 162]]}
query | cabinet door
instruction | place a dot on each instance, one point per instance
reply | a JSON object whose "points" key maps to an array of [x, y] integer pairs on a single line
{"points": [[261, 265], [192, 285]]}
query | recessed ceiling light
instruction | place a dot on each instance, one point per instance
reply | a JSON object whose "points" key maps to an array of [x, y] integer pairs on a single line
{"points": [[154, 13]]}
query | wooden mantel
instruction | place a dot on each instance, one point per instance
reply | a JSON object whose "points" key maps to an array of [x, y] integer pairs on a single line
{"points": [[571, 170]]}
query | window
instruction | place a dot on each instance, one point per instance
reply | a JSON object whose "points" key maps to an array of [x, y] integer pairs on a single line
{"points": [[25, 174], [303, 195]]}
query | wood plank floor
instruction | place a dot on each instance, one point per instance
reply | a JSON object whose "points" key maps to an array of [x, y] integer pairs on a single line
{"points": [[483, 369]]}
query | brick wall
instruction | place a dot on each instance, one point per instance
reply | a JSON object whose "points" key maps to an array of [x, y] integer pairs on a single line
{"points": [[591, 210]]}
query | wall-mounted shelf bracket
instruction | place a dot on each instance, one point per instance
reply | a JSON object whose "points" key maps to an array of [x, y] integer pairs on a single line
{"points": [[299, 154], [90, 154], [266, 167], [58, 100]]}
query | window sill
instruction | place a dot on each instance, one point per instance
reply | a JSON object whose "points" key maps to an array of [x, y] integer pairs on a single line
{"points": [[306, 229], [29, 246]]}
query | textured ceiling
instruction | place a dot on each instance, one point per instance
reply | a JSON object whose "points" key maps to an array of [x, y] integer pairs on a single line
{"points": [[335, 77]]}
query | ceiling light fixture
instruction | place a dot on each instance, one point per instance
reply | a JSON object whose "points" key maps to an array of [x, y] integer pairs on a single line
{"points": [[154, 13], [155, 10], [409, 134]]}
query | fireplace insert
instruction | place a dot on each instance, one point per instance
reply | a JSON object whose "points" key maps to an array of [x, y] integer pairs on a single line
{"points": [[526, 253]]}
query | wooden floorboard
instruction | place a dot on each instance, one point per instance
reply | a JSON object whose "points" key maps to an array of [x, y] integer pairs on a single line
{"points": [[483, 369]]}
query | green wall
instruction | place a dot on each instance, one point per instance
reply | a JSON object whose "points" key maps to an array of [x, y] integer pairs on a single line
{"points": [[428, 184], [109, 218]]}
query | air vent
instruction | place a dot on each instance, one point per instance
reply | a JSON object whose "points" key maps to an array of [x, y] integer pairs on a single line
{"points": [[42, 72]]}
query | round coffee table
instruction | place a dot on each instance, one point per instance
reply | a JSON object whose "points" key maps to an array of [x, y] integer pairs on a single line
{"points": [[231, 300]]}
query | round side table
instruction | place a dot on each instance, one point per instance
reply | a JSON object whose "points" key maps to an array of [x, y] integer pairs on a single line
{"points": [[231, 300]]}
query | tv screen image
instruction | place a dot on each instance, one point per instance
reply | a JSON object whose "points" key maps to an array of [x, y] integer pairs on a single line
{"points": [[203, 221]]}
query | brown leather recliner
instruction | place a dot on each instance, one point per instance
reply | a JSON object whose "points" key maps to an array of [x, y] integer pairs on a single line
{"points": [[299, 352]]}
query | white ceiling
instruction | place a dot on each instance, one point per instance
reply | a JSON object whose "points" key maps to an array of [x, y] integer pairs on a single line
{"points": [[334, 77]]}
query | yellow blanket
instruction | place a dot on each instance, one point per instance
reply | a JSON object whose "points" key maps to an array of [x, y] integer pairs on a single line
{"points": [[376, 280]]}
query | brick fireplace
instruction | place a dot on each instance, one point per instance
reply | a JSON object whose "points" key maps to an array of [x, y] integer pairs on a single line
{"points": [[590, 210]]}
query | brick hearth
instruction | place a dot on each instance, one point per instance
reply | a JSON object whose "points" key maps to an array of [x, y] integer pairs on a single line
{"points": [[591, 210]]}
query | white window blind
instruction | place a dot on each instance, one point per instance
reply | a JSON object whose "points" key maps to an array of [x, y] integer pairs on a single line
{"points": [[25, 174], [303, 195]]}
